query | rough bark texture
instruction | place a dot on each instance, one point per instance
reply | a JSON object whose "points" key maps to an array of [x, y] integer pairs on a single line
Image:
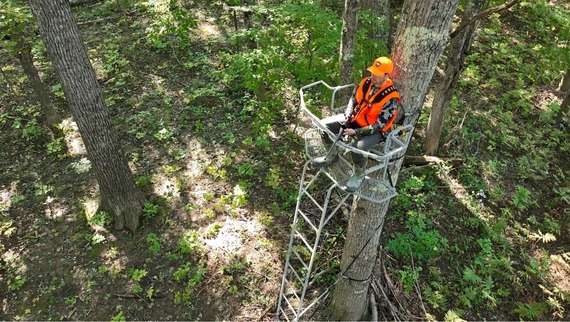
{"points": [[119, 195], [50, 117], [349, 25], [459, 49], [422, 34]]}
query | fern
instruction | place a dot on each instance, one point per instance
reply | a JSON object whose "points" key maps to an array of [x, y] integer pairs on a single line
{"points": [[453, 316], [469, 275], [532, 310], [545, 238]]}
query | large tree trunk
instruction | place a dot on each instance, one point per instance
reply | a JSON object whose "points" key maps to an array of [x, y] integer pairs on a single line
{"points": [[119, 195], [50, 117], [349, 25], [422, 34], [459, 49]]}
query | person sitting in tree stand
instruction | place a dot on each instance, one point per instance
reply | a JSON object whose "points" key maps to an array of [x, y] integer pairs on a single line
{"points": [[370, 112]]}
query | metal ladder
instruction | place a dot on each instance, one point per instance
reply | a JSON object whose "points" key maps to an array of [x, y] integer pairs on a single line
{"points": [[314, 211]]}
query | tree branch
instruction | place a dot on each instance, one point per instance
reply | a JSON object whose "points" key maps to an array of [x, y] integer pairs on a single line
{"points": [[483, 14], [426, 159]]}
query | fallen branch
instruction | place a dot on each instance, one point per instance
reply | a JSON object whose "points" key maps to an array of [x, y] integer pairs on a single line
{"points": [[96, 20], [75, 3], [427, 159]]}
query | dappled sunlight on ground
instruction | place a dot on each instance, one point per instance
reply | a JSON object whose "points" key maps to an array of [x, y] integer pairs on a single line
{"points": [[166, 186], [90, 206], [73, 139], [55, 209], [6, 195], [232, 235], [559, 273], [473, 200]]}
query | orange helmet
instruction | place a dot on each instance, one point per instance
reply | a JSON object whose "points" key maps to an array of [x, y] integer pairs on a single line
{"points": [[381, 66]]}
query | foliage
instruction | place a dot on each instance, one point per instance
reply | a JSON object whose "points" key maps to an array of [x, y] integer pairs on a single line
{"points": [[171, 23], [15, 23], [214, 114]]}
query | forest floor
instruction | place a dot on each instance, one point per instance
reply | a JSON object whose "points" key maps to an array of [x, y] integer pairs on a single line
{"points": [[214, 233]]}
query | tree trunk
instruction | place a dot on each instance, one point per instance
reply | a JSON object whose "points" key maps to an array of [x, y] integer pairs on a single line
{"points": [[564, 87], [459, 48], [50, 117], [349, 26], [422, 34], [564, 108], [564, 105], [119, 195], [565, 83]]}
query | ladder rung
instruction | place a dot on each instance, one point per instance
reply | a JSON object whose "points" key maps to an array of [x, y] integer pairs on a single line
{"points": [[295, 272], [293, 309], [297, 234], [300, 259], [283, 313], [292, 292], [308, 220], [313, 200]]}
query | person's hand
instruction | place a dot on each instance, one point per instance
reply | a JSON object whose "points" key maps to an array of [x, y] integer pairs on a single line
{"points": [[349, 132]]}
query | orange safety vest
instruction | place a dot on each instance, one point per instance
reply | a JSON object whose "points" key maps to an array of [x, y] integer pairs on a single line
{"points": [[368, 108]]}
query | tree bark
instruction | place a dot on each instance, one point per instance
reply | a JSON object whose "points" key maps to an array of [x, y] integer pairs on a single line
{"points": [[459, 49], [50, 117], [119, 195], [564, 85], [422, 34], [564, 108], [349, 26]]}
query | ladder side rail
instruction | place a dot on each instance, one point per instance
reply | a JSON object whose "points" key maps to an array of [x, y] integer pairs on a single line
{"points": [[291, 238], [317, 241], [292, 308]]}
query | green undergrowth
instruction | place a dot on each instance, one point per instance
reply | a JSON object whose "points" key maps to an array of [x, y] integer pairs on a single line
{"points": [[208, 118], [482, 240]]}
